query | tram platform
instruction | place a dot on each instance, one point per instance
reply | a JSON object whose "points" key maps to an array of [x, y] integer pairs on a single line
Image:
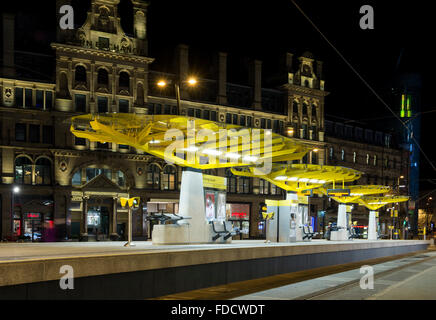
{"points": [[107, 270]]}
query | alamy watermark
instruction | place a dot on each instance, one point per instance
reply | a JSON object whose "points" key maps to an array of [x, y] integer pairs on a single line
{"points": [[67, 280], [367, 280]]}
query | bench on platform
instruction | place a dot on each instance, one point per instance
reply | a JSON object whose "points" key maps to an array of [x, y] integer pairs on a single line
{"points": [[308, 232]]}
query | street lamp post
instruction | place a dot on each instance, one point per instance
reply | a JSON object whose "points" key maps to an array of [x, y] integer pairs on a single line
{"points": [[191, 81]]}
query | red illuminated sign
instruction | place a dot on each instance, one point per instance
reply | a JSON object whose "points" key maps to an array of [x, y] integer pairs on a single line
{"points": [[239, 214], [33, 215]]}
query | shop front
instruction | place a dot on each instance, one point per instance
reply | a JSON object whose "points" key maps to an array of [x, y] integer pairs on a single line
{"points": [[33, 219], [239, 215]]}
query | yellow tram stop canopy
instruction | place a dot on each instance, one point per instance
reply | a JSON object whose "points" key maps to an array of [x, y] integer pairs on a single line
{"points": [[375, 203], [357, 191], [188, 141], [301, 177]]}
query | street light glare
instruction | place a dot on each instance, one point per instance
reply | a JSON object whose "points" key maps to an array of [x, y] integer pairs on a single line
{"points": [[192, 81], [161, 83], [16, 189]]}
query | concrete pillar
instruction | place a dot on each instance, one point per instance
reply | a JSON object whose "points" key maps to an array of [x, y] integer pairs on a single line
{"points": [[182, 68], [372, 226], [84, 220], [222, 78], [8, 45], [113, 220], [342, 216], [255, 77]]}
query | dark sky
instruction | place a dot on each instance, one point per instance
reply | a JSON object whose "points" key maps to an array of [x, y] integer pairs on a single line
{"points": [[266, 29]]}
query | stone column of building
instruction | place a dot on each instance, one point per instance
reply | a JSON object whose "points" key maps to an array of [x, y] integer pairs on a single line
{"points": [[255, 76], [113, 221], [222, 78], [140, 25], [84, 220], [182, 66]]}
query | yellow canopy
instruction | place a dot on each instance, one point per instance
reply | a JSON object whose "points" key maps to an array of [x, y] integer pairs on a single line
{"points": [[357, 191], [299, 177], [188, 141], [375, 203]]}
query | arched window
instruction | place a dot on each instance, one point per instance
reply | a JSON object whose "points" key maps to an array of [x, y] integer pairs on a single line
{"points": [[43, 171], [153, 177], [63, 86], [80, 75], [169, 178], [77, 178], [23, 170], [313, 110], [295, 107], [231, 181], [91, 173], [124, 80], [306, 83], [102, 77], [304, 108]]}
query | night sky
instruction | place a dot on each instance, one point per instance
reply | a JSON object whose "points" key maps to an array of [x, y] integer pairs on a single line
{"points": [[266, 29]]}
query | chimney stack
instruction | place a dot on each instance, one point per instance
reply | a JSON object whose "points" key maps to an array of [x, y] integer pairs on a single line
{"points": [[255, 78], [222, 78], [182, 68], [8, 45]]}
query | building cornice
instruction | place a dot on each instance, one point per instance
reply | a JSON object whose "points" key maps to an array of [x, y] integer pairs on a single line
{"points": [[65, 48]]}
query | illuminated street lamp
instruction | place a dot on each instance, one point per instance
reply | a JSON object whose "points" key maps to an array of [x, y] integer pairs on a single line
{"points": [[191, 81]]}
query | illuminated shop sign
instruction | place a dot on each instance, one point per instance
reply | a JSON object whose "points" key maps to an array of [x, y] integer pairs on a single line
{"points": [[240, 215], [33, 215]]}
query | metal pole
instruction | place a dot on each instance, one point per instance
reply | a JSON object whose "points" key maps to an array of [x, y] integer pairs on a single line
{"points": [[177, 88], [129, 222]]}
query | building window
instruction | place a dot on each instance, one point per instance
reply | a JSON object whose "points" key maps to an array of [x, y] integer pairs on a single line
{"points": [[249, 121], [229, 118], [305, 133], [235, 119], [304, 109], [34, 135], [190, 112], [263, 186], [39, 99], [244, 185], [43, 171], [313, 111], [48, 99], [123, 106], [314, 157], [80, 101], [169, 178], [120, 177], [167, 109], [91, 173], [158, 109], [124, 80], [79, 141], [19, 97], [102, 77], [103, 43], [153, 177], [242, 121], [77, 178], [47, 134], [102, 105], [231, 181], [206, 114], [295, 107], [198, 113], [23, 170], [263, 123], [80, 74], [213, 116], [20, 132], [103, 146], [28, 98]]}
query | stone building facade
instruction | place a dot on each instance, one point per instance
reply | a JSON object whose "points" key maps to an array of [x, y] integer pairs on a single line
{"points": [[55, 186]]}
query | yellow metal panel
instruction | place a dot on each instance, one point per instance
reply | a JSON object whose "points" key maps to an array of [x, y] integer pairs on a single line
{"points": [[214, 182]]}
